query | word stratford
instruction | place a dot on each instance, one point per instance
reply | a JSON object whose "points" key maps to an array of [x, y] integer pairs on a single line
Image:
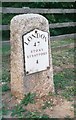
{"points": [[31, 56], [38, 54], [36, 35]]}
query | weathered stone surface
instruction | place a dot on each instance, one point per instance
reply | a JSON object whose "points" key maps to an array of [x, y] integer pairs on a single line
{"points": [[41, 82]]}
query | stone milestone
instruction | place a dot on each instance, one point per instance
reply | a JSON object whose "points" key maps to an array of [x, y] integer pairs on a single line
{"points": [[31, 60]]}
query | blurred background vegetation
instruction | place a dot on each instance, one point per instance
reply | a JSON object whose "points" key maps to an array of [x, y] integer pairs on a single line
{"points": [[53, 18]]}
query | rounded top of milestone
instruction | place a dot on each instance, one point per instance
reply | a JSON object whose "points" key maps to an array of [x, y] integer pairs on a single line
{"points": [[29, 16]]}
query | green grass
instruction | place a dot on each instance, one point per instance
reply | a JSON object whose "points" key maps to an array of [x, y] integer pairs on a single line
{"points": [[37, 115], [61, 42], [20, 112], [5, 110], [64, 82], [68, 93], [5, 88], [65, 57], [47, 104], [0, 19], [29, 98], [5, 63], [61, 58], [5, 68], [0, 50], [5, 49]]}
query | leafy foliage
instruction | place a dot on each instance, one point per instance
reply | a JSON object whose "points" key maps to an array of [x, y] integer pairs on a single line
{"points": [[23, 113], [29, 98], [39, 4], [5, 88], [18, 111], [5, 111], [52, 18]]}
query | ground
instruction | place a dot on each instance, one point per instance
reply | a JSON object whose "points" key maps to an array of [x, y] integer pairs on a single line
{"points": [[51, 106], [58, 105]]}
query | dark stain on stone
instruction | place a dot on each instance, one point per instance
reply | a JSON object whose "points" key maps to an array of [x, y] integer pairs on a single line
{"points": [[48, 77]]}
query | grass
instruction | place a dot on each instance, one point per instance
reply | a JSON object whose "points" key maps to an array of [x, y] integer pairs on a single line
{"points": [[20, 111], [5, 49], [5, 88], [61, 42], [5, 110], [47, 104], [0, 18], [63, 80], [60, 58], [29, 98], [5, 63], [5, 69], [65, 57]]}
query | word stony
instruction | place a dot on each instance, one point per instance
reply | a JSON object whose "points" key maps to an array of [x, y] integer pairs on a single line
{"points": [[31, 60]]}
